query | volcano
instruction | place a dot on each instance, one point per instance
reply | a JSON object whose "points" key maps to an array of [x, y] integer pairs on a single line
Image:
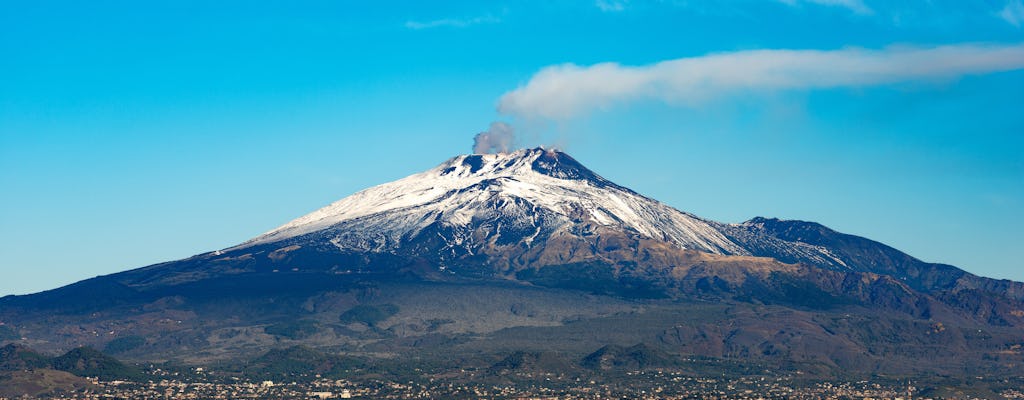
{"points": [[530, 251]]}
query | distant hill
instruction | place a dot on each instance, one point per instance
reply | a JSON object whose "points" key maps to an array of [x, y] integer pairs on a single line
{"points": [[299, 360], [39, 382], [25, 372], [633, 358], [86, 361], [15, 357]]}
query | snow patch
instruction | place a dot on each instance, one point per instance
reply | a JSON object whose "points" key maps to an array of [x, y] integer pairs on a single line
{"points": [[498, 187]]}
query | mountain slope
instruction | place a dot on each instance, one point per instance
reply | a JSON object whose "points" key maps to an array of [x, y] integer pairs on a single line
{"points": [[770, 237], [481, 250]]}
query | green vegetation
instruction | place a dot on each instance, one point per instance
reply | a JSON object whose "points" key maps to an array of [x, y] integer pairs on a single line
{"points": [[788, 290], [14, 358], [294, 330], [594, 277], [8, 333], [124, 344], [522, 362], [637, 357], [299, 361], [86, 361], [369, 314]]}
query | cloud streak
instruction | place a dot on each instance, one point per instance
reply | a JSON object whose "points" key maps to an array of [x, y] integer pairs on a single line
{"points": [[857, 6], [563, 91], [452, 22]]}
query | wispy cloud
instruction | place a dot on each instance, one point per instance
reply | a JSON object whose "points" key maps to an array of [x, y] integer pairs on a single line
{"points": [[453, 22], [611, 5], [564, 91], [1013, 12], [857, 6]]}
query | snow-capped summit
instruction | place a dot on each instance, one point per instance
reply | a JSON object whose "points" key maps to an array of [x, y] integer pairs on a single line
{"points": [[478, 199]]}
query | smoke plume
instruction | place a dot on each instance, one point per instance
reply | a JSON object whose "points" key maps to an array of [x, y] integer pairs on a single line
{"points": [[498, 138]]}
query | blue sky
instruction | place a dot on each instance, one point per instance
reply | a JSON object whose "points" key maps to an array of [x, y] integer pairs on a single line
{"points": [[136, 133]]}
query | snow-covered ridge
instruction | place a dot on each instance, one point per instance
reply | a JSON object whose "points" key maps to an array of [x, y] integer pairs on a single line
{"points": [[513, 188]]}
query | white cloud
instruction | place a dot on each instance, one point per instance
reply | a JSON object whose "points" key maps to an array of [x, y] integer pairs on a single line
{"points": [[611, 5], [1013, 12], [453, 22], [564, 91], [857, 6]]}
